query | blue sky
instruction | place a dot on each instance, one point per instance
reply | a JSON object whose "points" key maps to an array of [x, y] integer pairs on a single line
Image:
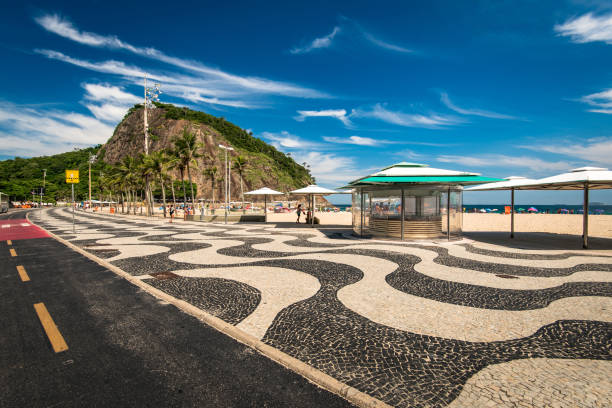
{"points": [[498, 87]]}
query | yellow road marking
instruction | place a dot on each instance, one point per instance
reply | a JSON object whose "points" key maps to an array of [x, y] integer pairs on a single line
{"points": [[9, 242], [55, 337], [22, 273], [13, 253]]}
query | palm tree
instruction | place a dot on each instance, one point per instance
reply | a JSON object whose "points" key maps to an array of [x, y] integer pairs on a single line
{"points": [[126, 171], [211, 172], [157, 164], [240, 163], [188, 148]]}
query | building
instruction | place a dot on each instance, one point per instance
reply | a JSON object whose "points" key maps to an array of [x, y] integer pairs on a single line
{"points": [[411, 201]]}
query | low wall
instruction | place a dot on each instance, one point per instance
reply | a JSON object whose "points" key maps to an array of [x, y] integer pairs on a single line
{"points": [[230, 218]]}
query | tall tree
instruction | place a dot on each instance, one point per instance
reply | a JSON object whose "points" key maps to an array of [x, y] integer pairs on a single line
{"points": [[240, 164], [157, 165], [211, 172], [188, 149]]}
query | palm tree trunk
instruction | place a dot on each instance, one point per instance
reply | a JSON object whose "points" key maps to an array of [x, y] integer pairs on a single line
{"points": [[173, 196], [191, 185], [184, 192], [212, 205], [242, 193], [163, 194]]}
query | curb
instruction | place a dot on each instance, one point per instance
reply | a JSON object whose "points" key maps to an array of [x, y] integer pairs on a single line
{"points": [[312, 374]]}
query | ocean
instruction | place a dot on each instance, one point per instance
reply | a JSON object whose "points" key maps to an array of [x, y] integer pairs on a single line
{"points": [[552, 209]]}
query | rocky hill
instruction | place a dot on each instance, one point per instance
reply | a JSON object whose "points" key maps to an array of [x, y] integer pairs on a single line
{"points": [[266, 166]]}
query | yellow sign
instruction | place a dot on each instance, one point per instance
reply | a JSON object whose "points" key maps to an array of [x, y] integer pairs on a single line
{"points": [[72, 176]]}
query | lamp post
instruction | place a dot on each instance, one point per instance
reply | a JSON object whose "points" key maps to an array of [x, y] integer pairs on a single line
{"points": [[41, 193], [150, 95], [92, 159], [227, 182]]}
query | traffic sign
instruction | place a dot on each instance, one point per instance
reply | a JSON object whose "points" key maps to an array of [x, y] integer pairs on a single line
{"points": [[72, 176]]}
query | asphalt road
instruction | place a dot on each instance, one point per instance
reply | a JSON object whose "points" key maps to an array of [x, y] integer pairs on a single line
{"points": [[125, 348]]}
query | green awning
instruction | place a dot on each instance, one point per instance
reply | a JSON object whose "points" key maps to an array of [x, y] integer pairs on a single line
{"points": [[460, 180]]}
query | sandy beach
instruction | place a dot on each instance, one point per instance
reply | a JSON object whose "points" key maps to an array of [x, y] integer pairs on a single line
{"points": [[599, 225]]}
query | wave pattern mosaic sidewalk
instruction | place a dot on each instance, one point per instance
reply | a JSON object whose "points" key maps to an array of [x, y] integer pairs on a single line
{"points": [[424, 325]]}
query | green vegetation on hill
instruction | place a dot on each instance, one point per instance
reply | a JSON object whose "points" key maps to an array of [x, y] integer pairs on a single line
{"points": [[19, 176], [238, 137]]}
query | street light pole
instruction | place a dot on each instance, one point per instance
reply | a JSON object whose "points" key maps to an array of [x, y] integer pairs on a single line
{"points": [[41, 193], [226, 148], [92, 158]]}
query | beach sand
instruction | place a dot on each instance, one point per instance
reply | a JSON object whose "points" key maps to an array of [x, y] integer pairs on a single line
{"points": [[599, 225]]}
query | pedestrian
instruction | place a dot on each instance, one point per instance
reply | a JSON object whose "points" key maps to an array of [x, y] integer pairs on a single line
{"points": [[171, 213], [299, 212]]}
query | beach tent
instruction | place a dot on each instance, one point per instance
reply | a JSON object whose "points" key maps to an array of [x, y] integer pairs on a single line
{"points": [[583, 178], [510, 183], [312, 191], [265, 191]]}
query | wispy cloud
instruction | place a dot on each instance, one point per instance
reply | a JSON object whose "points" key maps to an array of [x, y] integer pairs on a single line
{"points": [[284, 140], [600, 101], [328, 168], [384, 44], [351, 31], [444, 98], [339, 114], [357, 140], [317, 43], [108, 103], [203, 73], [499, 160], [594, 151], [432, 120], [30, 132], [587, 28]]}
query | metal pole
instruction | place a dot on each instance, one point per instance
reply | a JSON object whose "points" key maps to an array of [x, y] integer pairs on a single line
{"points": [[512, 213], [265, 208], [73, 230], [362, 215], [448, 215], [585, 218], [225, 185], [402, 216], [90, 184], [146, 125]]}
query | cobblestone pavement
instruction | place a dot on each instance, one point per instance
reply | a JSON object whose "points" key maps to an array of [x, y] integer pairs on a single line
{"points": [[429, 324]]}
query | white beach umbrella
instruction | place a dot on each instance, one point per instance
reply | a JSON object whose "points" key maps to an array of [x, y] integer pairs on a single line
{"points": [[583, 178], [311, 191], [265, 191], [510, 183]]}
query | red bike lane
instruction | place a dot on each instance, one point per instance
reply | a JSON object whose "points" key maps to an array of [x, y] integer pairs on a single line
{"points": [[16, 229]]}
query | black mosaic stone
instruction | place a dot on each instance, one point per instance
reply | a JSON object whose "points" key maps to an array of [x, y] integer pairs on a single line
{"points": [[226, 299], [518, 255]]}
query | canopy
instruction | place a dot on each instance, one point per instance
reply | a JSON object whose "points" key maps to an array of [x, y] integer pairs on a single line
{"points": [[264, 191], [583, 178], [314, 189], [420, 174], [509, 183], [596, 177]]}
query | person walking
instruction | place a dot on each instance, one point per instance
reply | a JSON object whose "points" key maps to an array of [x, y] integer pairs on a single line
{"points": [[171, 213], [299, 212]]}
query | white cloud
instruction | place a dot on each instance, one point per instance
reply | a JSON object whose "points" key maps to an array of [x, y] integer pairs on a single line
{"points": [[601, 101], [357, 140], [284, 140], [29, 132], [383, 44], [317, 43], [108, 112], [593, 151], [354, 32], [339, 114], [109, 93], [587, 28], [432, 121], [328, 168], [499, 160], [476, 112], [66, 29]]}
